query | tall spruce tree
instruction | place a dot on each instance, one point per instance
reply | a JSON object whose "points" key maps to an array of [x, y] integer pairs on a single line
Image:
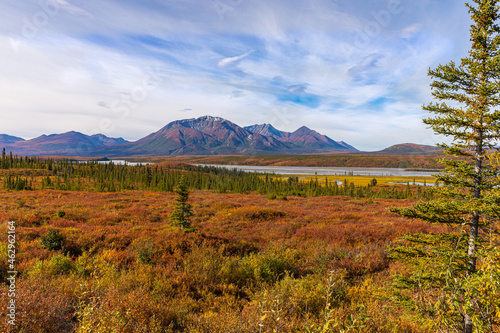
{"points": [[182, 211], [447, 266]]}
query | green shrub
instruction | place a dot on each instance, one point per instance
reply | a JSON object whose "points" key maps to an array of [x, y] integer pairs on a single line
{"points": [[57, 265], [144, 250], [271, 196], [52, 240], [271, 265]]}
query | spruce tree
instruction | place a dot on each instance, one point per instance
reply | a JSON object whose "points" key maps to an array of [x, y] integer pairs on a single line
{"points": [[182, 211], [4, 163], [445, 266]]}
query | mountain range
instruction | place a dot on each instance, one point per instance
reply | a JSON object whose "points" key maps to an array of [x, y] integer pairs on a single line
{"points": [[67, 144], [198, 136]]}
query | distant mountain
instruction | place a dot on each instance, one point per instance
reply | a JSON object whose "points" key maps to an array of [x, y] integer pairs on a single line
{"points": [[217, 136], [303, 138], [201, 136], [267, 130], [313, 140], [6, 140], [105, 141], [410, 149], [70, 144], [198, 136], [346, 145]]}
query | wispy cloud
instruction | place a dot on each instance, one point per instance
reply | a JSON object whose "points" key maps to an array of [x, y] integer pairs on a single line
{"points": [[163, 59], [232, 61], [411, 30], [68, 7], [298, 88], [370, 62]]}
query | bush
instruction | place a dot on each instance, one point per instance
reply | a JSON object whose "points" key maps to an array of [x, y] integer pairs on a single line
{"points": [[57, 265], [53, 240], [271, 265], [145, 251], [271, 196], [306, 296], [42, 306], [257, 213]]}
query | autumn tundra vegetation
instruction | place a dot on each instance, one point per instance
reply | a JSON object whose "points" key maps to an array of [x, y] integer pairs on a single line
{"points": [[176, 248], [172, 247], [100, 249]]}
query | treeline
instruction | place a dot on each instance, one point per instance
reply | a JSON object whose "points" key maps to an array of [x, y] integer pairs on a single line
{"points": [[100, 177]]}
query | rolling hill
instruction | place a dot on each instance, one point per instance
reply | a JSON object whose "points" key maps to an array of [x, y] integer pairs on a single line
{"points": [[410, 149]]}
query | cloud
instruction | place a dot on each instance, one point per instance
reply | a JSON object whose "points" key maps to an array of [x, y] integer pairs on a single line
{"points": [[297, 89], [368, 63], [278, 79], [230, 62], [93, 60], [410, 31], [237, 94], [72, 9]]}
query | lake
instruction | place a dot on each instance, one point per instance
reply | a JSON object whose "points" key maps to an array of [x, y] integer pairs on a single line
{"points": [[120, 162], [325, 171], [123, 162]]}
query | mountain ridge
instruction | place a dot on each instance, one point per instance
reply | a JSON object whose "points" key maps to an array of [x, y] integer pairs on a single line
{"points": [[205, 135], [303, 135], [6, 139], [202, 136], [69, 143]]}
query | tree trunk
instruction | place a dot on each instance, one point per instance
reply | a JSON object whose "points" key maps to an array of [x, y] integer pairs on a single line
{"points": [[468, 324], [474, 223]]}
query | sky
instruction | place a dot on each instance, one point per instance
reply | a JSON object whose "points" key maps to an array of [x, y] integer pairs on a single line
{"points": [[354, 70]]}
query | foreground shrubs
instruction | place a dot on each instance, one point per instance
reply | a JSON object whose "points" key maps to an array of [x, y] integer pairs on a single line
{"points": [[52, 240], [255, 266], [57, 265], [42, 305]]}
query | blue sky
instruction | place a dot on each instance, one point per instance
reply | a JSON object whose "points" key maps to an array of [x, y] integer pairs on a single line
{"points": [[355, 70]]}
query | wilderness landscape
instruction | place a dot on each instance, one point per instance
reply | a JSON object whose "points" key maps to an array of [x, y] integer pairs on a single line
{"points": [[97, 249], [370, 203]]}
